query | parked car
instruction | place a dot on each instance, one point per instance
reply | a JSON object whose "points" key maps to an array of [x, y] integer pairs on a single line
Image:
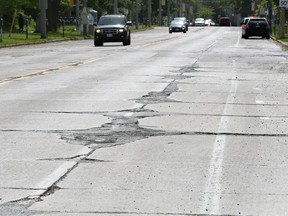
{"points": [[112, 28], [177, 26], [199, 22], [209, 22], [184, 19], [224, 21], [243, 25], [257, 27]]}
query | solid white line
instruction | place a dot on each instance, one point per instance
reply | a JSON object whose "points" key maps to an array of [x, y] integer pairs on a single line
{"points": [[212, 194], [52, 179], [264, 118], [56, 175], [259, 102], [129, 114], [239, 39]]}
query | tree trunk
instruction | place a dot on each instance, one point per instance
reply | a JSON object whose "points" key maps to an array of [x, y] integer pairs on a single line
{"points": [[53, 14]]}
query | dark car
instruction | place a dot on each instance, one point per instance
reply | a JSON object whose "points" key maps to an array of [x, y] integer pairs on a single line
{"points": [[184, 19], [224, 21], [257, 27], [112, 28], [177, 26]]}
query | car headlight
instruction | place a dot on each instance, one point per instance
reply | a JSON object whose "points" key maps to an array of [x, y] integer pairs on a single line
{"points": [[97, 30], [121, 30]]}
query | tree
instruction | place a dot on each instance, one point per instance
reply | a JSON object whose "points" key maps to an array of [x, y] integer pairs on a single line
{"points": [[206, 12], [7, 8], [53, 14]]}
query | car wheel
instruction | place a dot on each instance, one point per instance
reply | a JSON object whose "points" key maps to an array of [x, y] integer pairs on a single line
{"points": [[170, 32], [97, 43], [127, 41], [246, 36], [268, 37], [184, 31], [243, 36]]}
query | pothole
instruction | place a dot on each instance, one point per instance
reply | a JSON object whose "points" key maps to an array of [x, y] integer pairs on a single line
{"points": [[125, 128]]}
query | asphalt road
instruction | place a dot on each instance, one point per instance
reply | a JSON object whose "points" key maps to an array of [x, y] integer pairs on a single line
{"points": [[175, 124]]}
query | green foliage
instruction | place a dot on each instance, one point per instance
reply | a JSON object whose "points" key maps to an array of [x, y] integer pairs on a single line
{"points": [[206, 12], [65, 8], [203, 8]]}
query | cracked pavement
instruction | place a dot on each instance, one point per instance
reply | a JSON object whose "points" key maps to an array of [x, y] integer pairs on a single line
{"points": [[164, 127]]}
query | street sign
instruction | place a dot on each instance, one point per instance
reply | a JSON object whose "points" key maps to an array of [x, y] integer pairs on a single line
{"points": [[283, 3]]}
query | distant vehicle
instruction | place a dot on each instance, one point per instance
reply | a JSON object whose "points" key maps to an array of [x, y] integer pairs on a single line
{"points": [[184, 19], [112, 28], [224, 21], [199, 22], [257, 27], [209, 22], [177, 26]]}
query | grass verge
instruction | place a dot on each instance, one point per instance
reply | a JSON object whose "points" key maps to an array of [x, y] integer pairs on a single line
{"points": [[70, 33]]}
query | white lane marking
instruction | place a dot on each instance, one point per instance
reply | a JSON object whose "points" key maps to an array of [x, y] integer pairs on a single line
{"points": [[138, 106], [56, 174], [259, 101], [213, 189], [129, 114], [239, 39], [84, 152], [211, 45], [264, 118]]}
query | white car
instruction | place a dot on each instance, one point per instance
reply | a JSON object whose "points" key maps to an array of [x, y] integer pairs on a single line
{"points": [[199, 22], [209, 22]]}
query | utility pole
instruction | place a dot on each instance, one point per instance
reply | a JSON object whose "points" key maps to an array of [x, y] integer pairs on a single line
{"points": [[137, 14], [84, 17], [160, 12], [168, 12], [115, 6], [43, 5], [77, 15], [282, 23], [149, 13]]}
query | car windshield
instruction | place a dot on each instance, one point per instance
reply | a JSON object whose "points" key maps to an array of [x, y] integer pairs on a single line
{"points": [[111, 21], [177, 22], [199, 20], [180, 18]]}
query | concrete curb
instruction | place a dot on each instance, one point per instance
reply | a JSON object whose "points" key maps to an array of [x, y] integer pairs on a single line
{"points": [[41, 42], [284, 45]]}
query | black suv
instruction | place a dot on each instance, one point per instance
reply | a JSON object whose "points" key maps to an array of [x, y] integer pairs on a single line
{"points": [[257, 27], [112, 28]]}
